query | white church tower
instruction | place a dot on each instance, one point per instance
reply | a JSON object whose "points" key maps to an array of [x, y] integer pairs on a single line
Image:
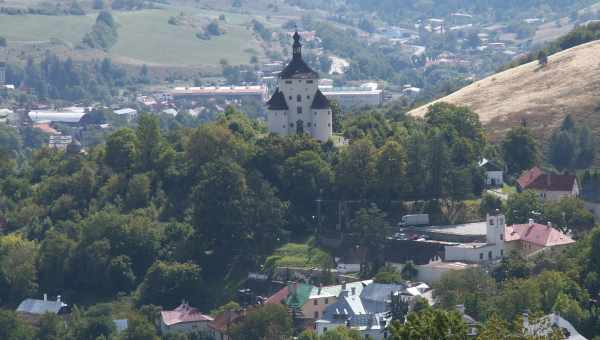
{"points": [[298, 106], [495, 230]]}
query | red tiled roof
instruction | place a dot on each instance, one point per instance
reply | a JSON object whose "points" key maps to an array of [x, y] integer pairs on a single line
{"points": [[223, 321], [183, 313], [46, 128], [536, 233], [278, 297], [537, 179]]}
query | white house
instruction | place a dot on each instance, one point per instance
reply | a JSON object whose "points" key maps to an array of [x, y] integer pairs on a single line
{"points": [[184, 319], [41, 307], [494, 174], [492, 249], [297, 105]]}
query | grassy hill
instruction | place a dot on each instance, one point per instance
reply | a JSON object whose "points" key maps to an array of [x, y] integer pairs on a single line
{"points": [[569, 83], [145, 36]]}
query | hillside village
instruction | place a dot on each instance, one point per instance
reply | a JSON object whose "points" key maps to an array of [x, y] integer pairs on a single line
{"points": [[318, 192]]}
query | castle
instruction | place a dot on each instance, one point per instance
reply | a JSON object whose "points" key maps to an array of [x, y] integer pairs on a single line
{"points": [[297, 105]]}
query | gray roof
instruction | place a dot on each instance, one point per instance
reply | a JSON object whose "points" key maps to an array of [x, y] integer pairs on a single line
{"points": [[121, 325], [38, 307], [375, 296]]}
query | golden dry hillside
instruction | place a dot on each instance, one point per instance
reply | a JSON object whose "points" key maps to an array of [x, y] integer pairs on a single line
{"points": [[569, 83]]}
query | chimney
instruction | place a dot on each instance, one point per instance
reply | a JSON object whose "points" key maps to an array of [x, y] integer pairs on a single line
{"points": [[531, 222], [58, 298], [45, 297]]}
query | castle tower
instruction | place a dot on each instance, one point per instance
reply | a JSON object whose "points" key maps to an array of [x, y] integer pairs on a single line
{"points": [[495, 229], [297, 105]]}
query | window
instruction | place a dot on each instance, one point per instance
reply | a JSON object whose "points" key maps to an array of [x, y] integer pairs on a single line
{"points": [[329, 124], [314, 124], [324, 329], [491, 222], [501, 220], [307, 97], [501, 252], [316, 302], [501, 237], [328, 113], [481, 256], [291, 124], [308, 124], [316, 314], [299, 109], [299, 81], [490, 254], [315, 113], [309, 81], [326, 301], [288, 81], [298, 98], [290, 97], [284, 126]]}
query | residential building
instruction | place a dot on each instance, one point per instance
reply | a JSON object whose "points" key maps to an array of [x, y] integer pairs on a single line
{"points": [[477, 252], [533, 238], [544, 326], [494, 173], [472, 324], [367, 311], [298, 106], [185, 319], [220, 327], [128, 113], [121, 325], [548, 186], [59, 141], [40, 307]]}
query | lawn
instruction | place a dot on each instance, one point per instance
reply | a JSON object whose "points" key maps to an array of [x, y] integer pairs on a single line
{"points": [[301, 255], [42, 28]]}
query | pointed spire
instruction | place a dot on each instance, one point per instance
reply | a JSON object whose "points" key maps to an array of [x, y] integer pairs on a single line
{"points": [[297, 46]]}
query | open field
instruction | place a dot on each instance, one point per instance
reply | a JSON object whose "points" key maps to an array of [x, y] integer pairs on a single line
{"points": [[146, 37], [568, 84]]}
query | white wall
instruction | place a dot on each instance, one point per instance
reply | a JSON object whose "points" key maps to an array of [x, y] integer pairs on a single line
{"points": [[495, 177], [185, 327]]}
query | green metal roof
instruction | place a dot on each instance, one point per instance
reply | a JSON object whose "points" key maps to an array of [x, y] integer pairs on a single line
{"points": [[298, 297]]}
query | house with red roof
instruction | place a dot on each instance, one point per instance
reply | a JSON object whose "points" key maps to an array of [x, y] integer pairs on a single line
{"points": [[219, 328], [527, 239], [184, 318], [548, 186]]}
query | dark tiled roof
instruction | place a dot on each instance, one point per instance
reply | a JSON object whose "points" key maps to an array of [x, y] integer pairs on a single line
{"points": [[320, 101], [277, 101], [298, 69], [537, 179]]}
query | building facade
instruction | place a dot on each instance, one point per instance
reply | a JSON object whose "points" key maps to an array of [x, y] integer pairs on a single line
{"points": [[549, 186], [297, 105], [491, 250]]}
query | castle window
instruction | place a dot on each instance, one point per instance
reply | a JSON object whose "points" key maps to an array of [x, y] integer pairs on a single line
{"points": [[308, 124], [328, 112], [299, 98], [288, 81], [291, 124], [501, 252], [290, 97], [501, 237], [329, 124], [491, 222], [309, 81], [490, 255], [299, 109], [307, 97], [315, 113], [481, 256], [284, 126]]}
